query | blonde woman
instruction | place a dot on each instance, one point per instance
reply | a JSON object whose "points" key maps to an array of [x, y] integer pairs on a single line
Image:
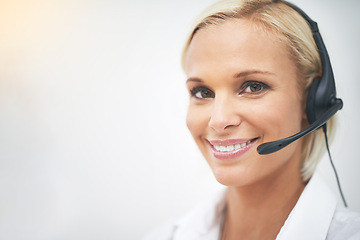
{"points": [[249, 66]]}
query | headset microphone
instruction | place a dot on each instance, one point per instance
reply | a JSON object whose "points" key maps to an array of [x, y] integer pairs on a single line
{"points": [[271, 147]]}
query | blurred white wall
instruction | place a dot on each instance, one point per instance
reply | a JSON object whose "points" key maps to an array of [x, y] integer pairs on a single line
{"points": [[93, 142]]}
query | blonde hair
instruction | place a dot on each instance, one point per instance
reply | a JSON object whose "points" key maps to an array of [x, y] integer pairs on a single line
{"points": [[291, 28]]}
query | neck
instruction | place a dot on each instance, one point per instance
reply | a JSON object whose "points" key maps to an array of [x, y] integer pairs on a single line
{"points": [[259, 211]]}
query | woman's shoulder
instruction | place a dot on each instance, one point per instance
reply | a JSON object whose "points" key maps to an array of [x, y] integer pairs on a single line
{"points": [[344, 225], [162, 232], [204, 220]]}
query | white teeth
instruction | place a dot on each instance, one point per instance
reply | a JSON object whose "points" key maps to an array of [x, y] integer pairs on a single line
{"points": [[230, 148]]}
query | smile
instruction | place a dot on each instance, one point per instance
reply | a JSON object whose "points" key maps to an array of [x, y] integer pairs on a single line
{"points": [[230, 149]]}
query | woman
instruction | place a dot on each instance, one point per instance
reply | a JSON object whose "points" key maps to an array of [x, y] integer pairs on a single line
{"points": [[249, 65]]}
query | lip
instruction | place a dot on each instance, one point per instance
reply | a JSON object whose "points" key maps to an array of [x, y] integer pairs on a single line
{"points": [[231, 154]]}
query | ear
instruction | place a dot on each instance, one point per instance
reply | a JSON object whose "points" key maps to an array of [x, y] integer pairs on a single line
{"points": [[303, 107], [304, 115], [305, 122]]}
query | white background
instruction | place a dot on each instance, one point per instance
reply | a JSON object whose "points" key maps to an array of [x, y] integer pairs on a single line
{"points": [[93, 141]]}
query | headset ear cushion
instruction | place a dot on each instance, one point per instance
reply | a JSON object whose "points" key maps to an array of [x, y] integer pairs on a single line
{"points": [[311, 101]]}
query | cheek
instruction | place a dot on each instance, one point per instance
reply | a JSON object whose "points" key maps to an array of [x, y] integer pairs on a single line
{"points": [[284, 115], [195, 120]]}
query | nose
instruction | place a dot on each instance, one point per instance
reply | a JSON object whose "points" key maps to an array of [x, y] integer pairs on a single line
{"points": [[224, 115]]}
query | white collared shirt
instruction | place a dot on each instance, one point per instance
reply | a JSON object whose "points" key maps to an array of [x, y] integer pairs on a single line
{"points": [[316, 216]]}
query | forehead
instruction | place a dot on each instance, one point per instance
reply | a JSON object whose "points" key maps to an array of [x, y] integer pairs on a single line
{"points": [[236, 41]]}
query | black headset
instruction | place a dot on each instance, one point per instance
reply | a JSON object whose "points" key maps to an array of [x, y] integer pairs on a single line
{"points": [[321, 102]]}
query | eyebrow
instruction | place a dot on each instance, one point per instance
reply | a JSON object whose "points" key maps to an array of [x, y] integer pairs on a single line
{"points": [[194, 80], [237, 75], [249, 72]]}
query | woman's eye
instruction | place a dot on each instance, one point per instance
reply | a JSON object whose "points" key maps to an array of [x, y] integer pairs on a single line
{"points": [[202, 92], [254, 87]]}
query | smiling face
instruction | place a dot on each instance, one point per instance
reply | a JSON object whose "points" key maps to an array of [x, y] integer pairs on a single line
{"points": [[243, 92]]}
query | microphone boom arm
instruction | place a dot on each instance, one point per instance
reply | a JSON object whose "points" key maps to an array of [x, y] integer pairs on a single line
{"points": [[270, 147]]}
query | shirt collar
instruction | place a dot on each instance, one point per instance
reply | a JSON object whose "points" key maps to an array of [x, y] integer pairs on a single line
{"points": [[312, 214]]}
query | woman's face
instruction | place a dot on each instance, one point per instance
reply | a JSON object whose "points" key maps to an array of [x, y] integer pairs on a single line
{"points": [[243, 92]]}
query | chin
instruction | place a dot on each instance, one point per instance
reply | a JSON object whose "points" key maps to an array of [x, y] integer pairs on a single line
{"points": [[228, 176]]}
